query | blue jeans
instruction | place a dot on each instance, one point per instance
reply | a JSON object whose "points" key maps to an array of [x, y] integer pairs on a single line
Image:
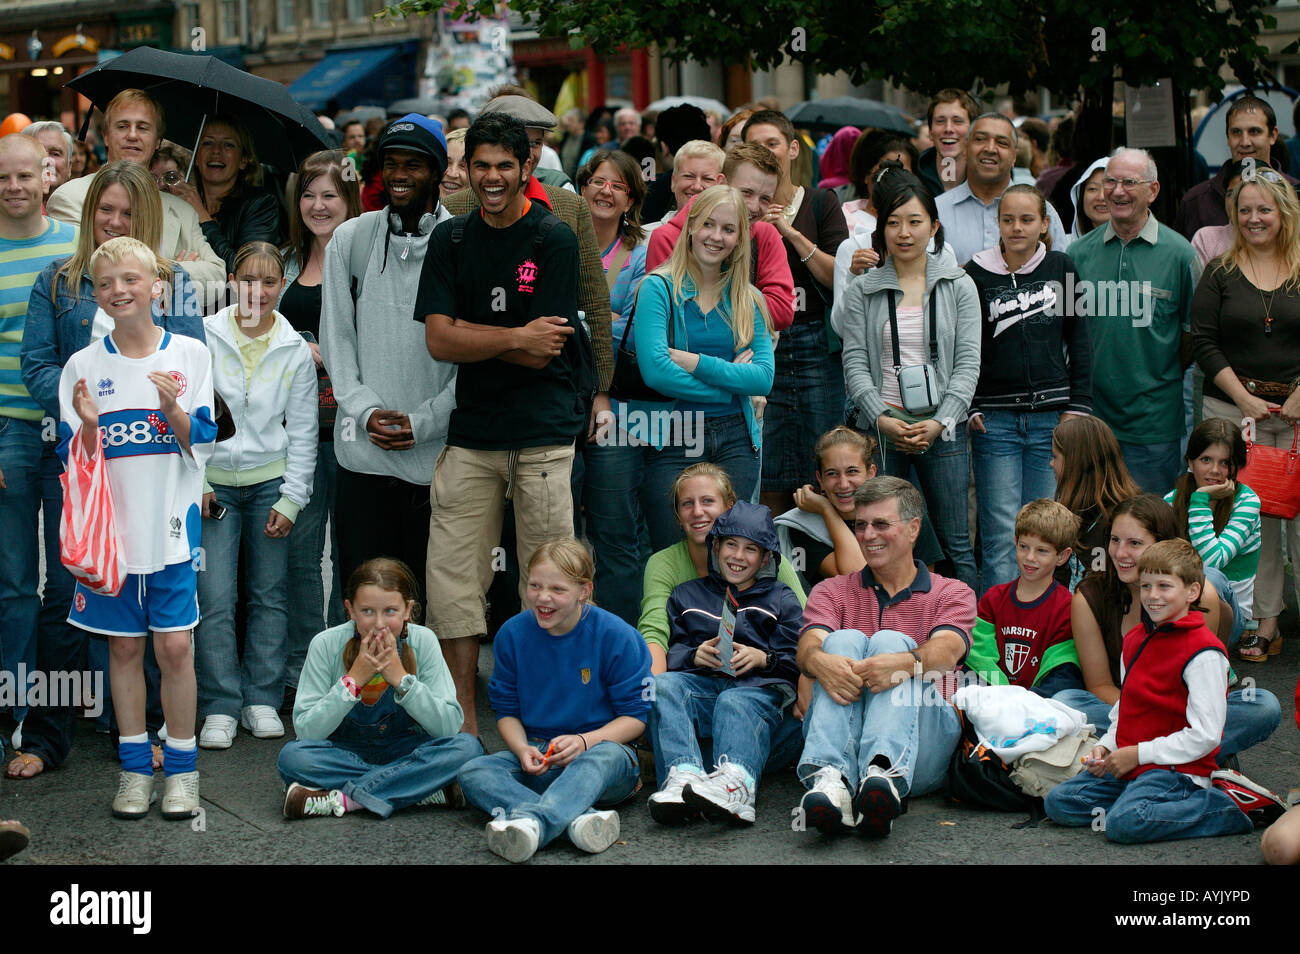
{"points": [[603, 776], [1155, 467], [806, 401], [942, 474], [1012, 460], [1253, 715], [726, 443], [31, 471], [379, 756], [916, 731], [305, 589], [614, 497], [1159, 805], [222, 687], [1219, 581], [743, 721]]}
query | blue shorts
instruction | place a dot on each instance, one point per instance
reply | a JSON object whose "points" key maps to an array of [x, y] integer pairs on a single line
{"points": [[165, 601]]}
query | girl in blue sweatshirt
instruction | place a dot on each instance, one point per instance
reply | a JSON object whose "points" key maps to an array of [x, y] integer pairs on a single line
{"points": [[571, 690]]}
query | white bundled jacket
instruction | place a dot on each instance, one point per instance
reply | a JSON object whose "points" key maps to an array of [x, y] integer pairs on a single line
{"points": [[277, 417]]}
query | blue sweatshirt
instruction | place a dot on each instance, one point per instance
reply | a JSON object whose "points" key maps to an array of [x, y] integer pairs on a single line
{"points": [[556, 685]]}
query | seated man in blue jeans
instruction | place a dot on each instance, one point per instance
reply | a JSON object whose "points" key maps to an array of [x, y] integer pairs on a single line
{"points": [[875, 733]]}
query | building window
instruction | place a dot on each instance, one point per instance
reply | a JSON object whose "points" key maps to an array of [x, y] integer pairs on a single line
{"points": [[230, 19], [321, 14], [191, 19], [357, 10], [285, 16]]}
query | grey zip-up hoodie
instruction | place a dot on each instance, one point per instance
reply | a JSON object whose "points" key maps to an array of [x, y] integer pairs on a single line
{"points": [[866, 315], [376, 354]]}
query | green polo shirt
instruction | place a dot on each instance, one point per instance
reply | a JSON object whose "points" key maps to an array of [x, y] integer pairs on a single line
{"points": [[1139, 297]]}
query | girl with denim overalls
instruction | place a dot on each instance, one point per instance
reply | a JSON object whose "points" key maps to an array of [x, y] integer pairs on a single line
{"points": [[376, 715]]}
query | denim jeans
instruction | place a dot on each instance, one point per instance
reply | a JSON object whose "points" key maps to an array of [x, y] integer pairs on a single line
{"points": [[603, 776], [1219, 580], [1155, 467], [942, 474], [726, 443], [916, 731], [1012, 460], [1158, 805], [223, 689], [1253, 715], [614, 497], [743, 721], [806, 401], [305, 588], [31, 471], [379, 756]]}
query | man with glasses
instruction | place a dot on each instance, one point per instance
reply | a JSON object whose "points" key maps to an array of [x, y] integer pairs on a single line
{"points": [[1252, 134], [883, 647], [1137, 278]]}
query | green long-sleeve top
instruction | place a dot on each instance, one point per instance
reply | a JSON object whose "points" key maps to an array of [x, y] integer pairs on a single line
{"points": [[323, 702], [1236, 549], [672, 567]]}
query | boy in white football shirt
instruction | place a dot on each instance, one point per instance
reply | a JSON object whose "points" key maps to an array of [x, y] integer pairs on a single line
{"points": [[144, 398]]}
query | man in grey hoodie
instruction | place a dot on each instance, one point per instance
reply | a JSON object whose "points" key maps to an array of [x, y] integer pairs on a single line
{"points": [[394, 399]]}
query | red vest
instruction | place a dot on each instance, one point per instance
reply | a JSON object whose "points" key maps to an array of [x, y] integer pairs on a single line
{"points": [[1153, 699]]}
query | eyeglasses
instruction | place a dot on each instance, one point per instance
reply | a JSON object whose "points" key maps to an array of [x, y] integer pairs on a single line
{"points": [[879, 525], [599, 183], [170, 177], [1109, 183]]}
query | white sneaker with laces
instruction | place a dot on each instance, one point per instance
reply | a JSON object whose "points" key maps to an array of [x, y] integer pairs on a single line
{"points": [[723, 795], [878, 802], [218, 732], [303, 802], [134, 795], [666, 805], [263, 721], [180, 795], [827, 805], [514, 839], [594, 831]]}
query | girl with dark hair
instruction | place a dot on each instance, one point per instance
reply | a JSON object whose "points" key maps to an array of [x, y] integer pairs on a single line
{"points": [[1220, 516], [1036, 364], [911, 360], [400, 746], [1106, 606]]}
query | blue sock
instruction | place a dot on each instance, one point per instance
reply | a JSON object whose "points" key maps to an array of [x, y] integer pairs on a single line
{"points": [[180, 756], [135, 754]]}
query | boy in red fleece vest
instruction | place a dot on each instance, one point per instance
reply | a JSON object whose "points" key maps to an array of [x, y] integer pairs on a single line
{"points": [[1152, 777]]}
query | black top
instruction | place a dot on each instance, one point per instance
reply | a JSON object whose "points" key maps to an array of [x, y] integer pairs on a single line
{"points": [[814, 552], [301, 306], [1228, 329], [828, 232], [254, 217], [499, 277]]}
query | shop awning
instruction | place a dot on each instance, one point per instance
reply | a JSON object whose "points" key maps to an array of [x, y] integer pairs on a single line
{"points": [[366, 75]]}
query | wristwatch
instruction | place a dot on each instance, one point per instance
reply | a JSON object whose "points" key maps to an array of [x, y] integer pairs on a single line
{"points": [[771, 662], [406, 685], [917, 668]]}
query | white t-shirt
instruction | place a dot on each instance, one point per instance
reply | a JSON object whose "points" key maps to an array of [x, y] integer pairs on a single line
{"points": [[156, 488]]}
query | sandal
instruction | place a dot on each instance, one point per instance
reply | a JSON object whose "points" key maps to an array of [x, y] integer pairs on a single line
{"points": [[22, 762], [1264, 647]]}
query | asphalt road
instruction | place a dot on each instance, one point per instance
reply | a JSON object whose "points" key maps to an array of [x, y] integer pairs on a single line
{"points": [[67, 811]]}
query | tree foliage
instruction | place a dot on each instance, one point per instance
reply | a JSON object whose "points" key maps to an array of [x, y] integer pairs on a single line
{"points": [[975, 44]]}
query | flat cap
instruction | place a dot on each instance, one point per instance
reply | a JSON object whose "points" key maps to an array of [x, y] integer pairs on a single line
{"points": [[527, 111]]}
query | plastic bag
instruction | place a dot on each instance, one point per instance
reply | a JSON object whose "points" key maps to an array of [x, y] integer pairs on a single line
{"points": [[88, 542]]}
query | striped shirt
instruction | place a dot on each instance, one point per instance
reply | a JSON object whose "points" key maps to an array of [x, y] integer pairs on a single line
{"points": [[1235, 551], [21, 260], [857, 601]]}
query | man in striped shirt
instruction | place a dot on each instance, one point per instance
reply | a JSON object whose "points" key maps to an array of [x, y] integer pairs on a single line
{"points": [[884, 647], [29, 468]]}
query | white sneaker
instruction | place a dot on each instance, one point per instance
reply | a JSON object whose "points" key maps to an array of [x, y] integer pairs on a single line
{"points": [[722, 795], [218, 732], [180, 795], [878, 803], [134, 795], [593, 832], [827, 805], [666, 805], [263, 721], [303, 802], [514, 839]]}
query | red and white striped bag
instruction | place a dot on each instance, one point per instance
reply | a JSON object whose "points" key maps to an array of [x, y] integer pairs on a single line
{"points": [[88, 542]]}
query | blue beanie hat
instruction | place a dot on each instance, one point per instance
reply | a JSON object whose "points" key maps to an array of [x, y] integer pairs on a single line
{"points": [[417, 133]]}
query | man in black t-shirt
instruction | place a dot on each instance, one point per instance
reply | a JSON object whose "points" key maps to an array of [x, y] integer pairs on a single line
{"points": [[498, 295]]}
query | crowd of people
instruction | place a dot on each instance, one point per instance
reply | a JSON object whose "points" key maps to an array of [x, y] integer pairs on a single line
{"points": [[780, 457]]}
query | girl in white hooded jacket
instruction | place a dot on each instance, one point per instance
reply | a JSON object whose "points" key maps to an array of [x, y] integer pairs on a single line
{"points": [[258, 481]]}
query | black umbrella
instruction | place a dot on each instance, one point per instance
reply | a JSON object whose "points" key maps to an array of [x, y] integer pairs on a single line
{"points": [[849, 111], [192, 89]]}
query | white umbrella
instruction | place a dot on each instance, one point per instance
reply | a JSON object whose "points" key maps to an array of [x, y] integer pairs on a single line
{"points": [[703, 102]]}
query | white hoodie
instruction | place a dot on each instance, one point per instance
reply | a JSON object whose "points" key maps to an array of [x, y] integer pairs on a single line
{"points": [[278, 417]]}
